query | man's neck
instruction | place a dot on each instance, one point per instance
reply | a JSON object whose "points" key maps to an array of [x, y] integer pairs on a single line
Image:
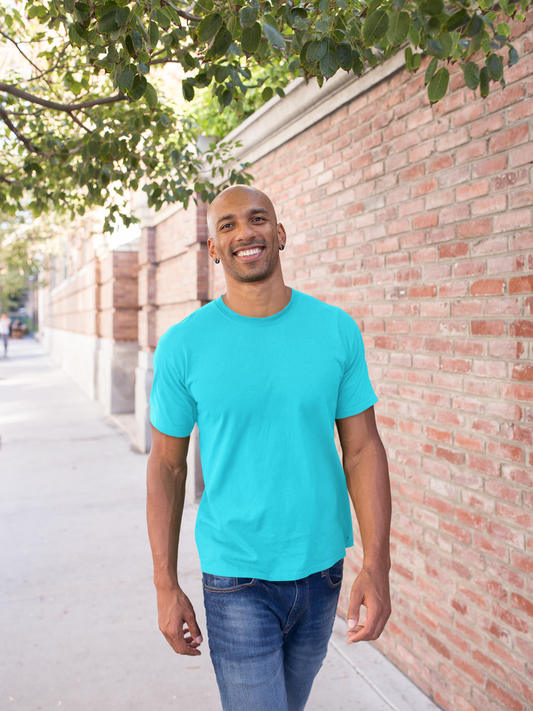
{"points": [[257, 301]]}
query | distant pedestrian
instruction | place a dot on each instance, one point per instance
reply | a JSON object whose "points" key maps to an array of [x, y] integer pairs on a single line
{"points": [[266, 371], [5, 327]]}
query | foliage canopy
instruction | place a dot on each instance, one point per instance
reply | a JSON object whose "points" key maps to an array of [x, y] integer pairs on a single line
{"points": [[82, 120]]}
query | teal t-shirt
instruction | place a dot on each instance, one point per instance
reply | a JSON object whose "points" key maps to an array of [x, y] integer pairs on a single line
{"points": [[266, 393]]}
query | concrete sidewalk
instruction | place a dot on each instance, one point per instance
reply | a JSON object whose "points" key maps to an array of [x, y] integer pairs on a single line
{"points": [[78, 615]]}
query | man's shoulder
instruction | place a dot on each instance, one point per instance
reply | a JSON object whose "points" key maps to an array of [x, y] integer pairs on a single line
{"points": [[195, 323], [322, 310]]}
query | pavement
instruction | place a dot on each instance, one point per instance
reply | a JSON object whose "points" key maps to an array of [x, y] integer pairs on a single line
{"points": [[77, 603]]}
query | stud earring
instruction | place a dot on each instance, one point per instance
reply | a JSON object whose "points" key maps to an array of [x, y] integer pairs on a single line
{"points": [[217, 261], [282, 247]]}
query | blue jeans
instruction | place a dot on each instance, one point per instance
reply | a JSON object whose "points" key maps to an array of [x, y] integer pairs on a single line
{"points": [[268, 639]]}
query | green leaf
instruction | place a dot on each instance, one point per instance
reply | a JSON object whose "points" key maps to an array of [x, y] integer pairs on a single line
{"points": [[267, 93], [125, 80], [398, 29], [408, 58], [137, 40], [150, 95], [208, 28], [122, 16], [108, 23], [329, 64], [513, 56], [458, 19], [471, 74], [342, 4], [316, 50], [138, 88], [345, 57], [438, 86], [234, 26], [416, 61], [430, 71], [474, 45], [251, 36], [375, 27], [270, 28], [503, 29], [414, 35], [495, 66], [221, 44], [187, 90], [248, 16], [373, 6], [154, 34], [484, 79], [432, 7], [358, 65], [144, 68], [474, 26], [129, 45]]}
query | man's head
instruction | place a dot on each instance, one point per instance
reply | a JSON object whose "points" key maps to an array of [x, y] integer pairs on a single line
{"points": [[242, 219]]}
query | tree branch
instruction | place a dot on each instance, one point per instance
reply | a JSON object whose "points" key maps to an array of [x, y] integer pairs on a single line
{"points": [[25, 96], [183, 13], [29, 145]]}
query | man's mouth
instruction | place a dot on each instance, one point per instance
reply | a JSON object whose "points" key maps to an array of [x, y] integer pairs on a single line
{"points": [[250, 254]]}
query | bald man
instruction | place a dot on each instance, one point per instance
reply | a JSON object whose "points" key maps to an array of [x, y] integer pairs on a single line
{"points": [[266, 371]]}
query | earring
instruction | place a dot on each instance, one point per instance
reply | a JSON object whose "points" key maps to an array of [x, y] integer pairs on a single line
{"points": [[217, 261], [282, 247]]}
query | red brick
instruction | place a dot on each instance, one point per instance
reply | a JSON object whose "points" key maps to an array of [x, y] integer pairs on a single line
{"points": [[503, 140], [508, 700]]}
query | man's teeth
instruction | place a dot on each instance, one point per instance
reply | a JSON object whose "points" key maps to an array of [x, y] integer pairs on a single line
{"points": [[247, 252]]}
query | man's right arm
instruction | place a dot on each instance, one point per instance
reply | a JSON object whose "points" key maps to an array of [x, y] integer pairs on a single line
{"points": [[166, 475]]}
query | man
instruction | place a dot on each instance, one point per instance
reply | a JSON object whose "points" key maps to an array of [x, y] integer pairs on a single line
{"points": [[266, 371]]}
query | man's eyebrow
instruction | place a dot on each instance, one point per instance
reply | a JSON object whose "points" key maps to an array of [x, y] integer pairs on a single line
{"points": [[224, 217], [253, 211]]}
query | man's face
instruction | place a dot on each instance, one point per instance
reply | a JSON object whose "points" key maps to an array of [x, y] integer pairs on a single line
{"points": [[244, 234]]}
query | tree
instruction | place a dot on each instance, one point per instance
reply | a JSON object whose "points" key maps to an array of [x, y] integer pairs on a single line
{"points": [[19, 261], [83, 121]]}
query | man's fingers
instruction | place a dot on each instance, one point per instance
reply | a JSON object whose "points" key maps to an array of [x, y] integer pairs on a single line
{"points": [[371, 630], [192, 626], [356, 600]]}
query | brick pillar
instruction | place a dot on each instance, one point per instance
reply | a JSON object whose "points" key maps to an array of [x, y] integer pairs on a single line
{"points": [[147, 335]]}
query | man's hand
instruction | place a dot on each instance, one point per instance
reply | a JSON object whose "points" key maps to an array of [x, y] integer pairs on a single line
{"points": [[371, 589], [176, 620]]}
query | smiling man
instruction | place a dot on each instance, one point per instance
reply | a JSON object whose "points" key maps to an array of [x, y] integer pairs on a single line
{"points": [[266, 371]]}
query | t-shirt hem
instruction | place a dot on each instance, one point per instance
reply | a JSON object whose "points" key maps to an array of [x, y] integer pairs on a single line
{"points": [[356, 411], [164, 429], [234, 571]]}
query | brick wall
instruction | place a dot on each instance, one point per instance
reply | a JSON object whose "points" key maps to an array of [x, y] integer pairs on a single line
{"points": [[99, 294], [72, 302]]}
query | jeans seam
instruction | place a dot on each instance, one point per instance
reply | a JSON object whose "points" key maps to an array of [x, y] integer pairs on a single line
{"points": [[230, 589]]}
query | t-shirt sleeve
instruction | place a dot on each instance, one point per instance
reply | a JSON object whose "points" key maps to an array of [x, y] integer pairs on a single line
{"points": [[172, 408], [355, 391]]}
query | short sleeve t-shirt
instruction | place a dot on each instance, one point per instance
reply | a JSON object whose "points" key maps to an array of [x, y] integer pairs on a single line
{"points": [[265, 393]]}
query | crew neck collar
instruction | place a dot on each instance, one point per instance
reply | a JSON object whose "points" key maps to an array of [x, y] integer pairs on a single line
{"points": [[253, 320]]}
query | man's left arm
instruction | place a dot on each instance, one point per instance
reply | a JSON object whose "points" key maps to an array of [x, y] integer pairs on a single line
{"points": [[367, 477]]}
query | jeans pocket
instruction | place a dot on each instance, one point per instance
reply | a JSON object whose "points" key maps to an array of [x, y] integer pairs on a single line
{"points": [[334, 574], [223, 584]]}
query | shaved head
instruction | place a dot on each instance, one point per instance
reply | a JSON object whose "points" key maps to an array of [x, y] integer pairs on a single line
{"points": [[234, 196]]}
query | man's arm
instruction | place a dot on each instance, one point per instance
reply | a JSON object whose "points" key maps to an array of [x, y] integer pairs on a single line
{"points": [[166, 475], [367, 477]]}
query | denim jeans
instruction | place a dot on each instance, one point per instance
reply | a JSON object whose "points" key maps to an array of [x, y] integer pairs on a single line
{"points": [[268, 639]]}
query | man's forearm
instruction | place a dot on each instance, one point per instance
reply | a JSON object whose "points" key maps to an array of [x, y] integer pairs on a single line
{"points": [[165, 501], [367, 478]]}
